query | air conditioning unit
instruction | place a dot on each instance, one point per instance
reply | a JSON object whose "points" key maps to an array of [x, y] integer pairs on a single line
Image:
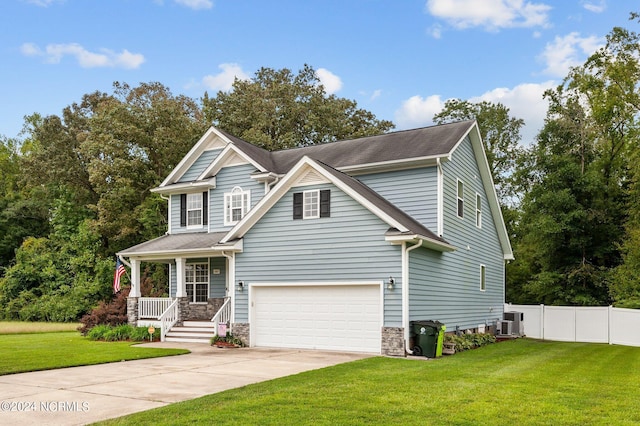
{"points": [[504, 328], [518, 325]]}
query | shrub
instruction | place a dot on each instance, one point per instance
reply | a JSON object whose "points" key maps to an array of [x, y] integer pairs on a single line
{"points": [[465, 342], [121, 332], [112, 313]]}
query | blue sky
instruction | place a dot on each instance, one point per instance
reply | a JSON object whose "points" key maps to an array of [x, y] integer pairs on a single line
{"points": [[400, 59]]}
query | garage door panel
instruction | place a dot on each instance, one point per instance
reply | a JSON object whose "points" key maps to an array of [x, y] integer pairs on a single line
{"points": [[317, 317]]}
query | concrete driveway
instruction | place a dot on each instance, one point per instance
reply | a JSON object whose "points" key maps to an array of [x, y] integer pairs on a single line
{"points": [[81, 395]]}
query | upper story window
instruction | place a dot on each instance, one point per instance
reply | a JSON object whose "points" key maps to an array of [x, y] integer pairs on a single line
{"points": [[460, 196], [194, 209], [478, 211], [312, 204], [236, 205]]}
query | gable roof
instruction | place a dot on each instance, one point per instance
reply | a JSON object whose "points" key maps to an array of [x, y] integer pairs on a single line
{"points": [[174, 244], [397, 219]]}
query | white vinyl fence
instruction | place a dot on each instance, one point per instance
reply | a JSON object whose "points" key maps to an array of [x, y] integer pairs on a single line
{"points": [[580, 324]]}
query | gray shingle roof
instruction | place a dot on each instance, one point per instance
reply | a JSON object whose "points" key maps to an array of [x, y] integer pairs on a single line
{"points": [[176, 242], [396, 146]]}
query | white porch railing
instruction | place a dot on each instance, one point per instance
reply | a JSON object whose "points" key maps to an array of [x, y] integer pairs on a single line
{"points": [[153, 307], [223, 316], [168, 319]]}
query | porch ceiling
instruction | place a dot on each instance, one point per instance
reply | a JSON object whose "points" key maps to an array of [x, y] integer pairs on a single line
{"points": [[180, 244]]}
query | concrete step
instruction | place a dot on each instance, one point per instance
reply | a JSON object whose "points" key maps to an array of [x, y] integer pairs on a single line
{"points": [[195, 329], [181, 333], [187, 340], [204, 324]]}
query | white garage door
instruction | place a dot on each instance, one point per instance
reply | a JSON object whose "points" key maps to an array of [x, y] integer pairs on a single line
{"points": [[336, 317]]}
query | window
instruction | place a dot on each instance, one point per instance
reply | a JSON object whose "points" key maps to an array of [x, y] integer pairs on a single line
{"points": [[460, 198], [194, 209], [478, 211], [483, 281], [312, 204], [236, 204], [197, 281]]}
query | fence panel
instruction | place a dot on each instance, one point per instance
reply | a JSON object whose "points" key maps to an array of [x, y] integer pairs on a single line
{"points": [[625, 327], [592, 324], [532, 321], [560, 323]]}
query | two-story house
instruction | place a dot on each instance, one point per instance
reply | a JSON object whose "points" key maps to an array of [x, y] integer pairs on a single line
{"points": [[336, 246]]}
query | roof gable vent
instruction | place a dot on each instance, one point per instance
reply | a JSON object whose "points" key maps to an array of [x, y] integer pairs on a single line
{"points": [[312, 177]]}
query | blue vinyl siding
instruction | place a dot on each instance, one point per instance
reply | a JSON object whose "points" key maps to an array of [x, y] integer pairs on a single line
{"points": [[226, 179], [348, 246], [446, 287], [198, 166], [415, 191], [217, 282]]}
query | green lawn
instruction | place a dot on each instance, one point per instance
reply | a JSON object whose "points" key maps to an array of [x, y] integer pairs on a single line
{"points": [[518, 382], [44, 351]]}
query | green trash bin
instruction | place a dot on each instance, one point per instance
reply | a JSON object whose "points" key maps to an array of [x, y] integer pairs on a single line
{"points": [[428, 337]]}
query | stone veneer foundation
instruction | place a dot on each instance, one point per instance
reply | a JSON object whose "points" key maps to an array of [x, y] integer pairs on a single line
{"points": [[393, 341]]}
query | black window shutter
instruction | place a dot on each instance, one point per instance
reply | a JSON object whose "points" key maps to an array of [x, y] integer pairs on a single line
{"points": [[205, 207], [297, 205], [183, 209], [325, 203]]}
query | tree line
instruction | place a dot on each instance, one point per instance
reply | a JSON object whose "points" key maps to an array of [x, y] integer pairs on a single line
{"points": [[74, 188]]}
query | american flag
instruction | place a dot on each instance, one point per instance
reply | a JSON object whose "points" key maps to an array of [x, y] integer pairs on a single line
{"points": [[120, 271]]}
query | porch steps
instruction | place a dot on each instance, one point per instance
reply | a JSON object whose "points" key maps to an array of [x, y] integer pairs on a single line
{"points": [[192, 332]]}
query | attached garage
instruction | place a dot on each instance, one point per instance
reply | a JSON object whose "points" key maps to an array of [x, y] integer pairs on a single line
{"points": [[343, 317]]}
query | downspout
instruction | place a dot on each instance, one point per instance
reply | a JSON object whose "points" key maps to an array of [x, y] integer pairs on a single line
{"points": [[232, 284], [440, 196], [269, 185], [405, 291]]}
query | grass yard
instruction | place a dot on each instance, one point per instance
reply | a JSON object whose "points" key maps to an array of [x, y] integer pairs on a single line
{"points": [[12, 327], [44, 351], [517, 382]]}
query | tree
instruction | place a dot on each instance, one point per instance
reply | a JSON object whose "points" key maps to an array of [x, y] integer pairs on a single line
{"points": [[501, 136], [277, 110], [581, 172]]}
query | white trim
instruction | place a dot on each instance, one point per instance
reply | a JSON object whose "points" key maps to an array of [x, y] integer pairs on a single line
{"points": [[425, 241], [245, 204], [459, 198], [308, 202], [440, 198], [229, 152], [310, 283], [483, 277], [195, 282], [181, 188], [193, 195], [478, 210]]}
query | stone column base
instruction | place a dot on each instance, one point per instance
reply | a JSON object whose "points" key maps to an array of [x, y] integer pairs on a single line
{"points": [[393, 341], [132, 311], [241, 330]]}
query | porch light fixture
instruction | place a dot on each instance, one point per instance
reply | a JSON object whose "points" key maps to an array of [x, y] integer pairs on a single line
{"points": [[391, 283], [240, 286]]}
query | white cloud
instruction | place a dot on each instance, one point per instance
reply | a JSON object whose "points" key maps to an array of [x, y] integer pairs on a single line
{"points": [[224, 80], [196, 4], [568, 51], [489, 14], [524, 101], [329, 80], [595, 6], [376, 94], [418, 111], [53, 54]]}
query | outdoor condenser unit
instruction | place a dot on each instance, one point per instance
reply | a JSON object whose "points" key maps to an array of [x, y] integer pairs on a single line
{"points": [[517, 318], [505, 327]]}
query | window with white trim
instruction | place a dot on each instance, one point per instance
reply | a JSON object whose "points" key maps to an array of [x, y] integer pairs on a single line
{"points": [[236, 205], [483, 278], [194, 210], [312, 204], [460, 197], [197, 282], [478, 210]]}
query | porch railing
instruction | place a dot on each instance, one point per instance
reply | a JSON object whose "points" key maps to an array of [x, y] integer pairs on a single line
{"points": [[223, 315], [153, 307], [168, 319]]}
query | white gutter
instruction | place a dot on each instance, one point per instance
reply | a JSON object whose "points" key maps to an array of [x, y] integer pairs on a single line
{"points": [[440, 198], [405, 291]]}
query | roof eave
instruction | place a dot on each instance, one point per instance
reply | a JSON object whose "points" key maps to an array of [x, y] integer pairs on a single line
{"points": [[181, 187], [234, 246], [424, 240]]}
